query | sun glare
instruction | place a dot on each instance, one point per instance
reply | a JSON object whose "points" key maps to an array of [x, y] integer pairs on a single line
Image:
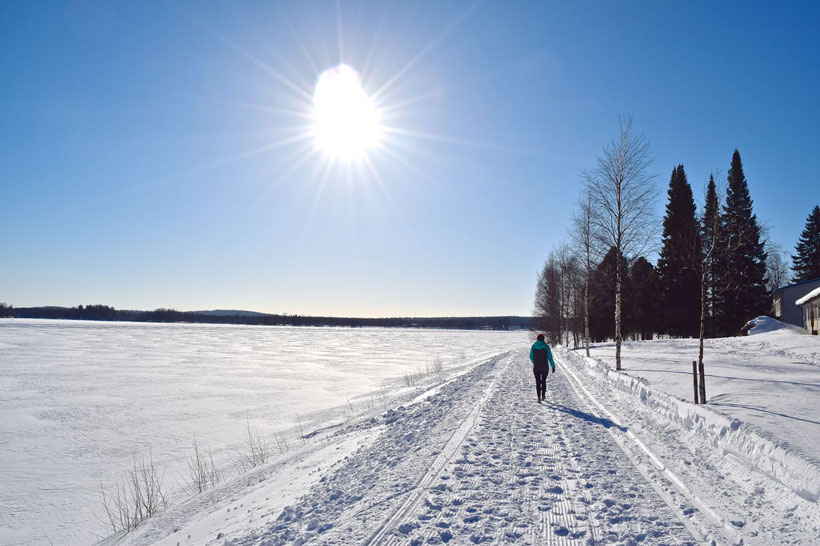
{"points": [[345, 120]]}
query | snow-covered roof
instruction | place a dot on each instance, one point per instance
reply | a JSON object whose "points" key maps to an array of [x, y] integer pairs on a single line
{"points": [[810, 296]]}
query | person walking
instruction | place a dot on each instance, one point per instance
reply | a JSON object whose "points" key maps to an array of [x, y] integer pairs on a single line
{"points": [[541, 358]]}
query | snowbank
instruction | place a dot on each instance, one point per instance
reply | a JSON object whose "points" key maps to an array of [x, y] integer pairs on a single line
{"points": [[763, 324], [731, 435]]}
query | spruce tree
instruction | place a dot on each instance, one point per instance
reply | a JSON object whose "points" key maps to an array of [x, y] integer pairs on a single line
{"points": [[806, 263], [645, 301], [679, 260], [742, 285], [602, 297], [709, 231]]}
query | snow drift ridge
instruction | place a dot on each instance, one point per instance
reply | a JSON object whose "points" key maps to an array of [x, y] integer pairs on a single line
{"points": [[731, 435]]}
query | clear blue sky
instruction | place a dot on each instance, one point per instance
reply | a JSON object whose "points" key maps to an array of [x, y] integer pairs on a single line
{"points": [[138, 166]]}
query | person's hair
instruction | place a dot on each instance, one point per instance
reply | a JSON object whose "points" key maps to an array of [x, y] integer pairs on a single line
{"points": [[540, 337]]}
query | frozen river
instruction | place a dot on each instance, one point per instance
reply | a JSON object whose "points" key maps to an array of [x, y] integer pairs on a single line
{"points": [[79, 399]]}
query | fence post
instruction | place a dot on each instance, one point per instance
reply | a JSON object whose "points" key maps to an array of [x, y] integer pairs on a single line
{"points": [[695, 378], [702, 383]]}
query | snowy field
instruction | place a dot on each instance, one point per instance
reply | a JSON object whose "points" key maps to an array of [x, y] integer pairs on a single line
{"points": [[79, 399], [476, 460], [464, 455], [769, 379]]}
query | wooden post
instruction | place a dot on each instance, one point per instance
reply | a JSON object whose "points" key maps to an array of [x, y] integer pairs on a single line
{"points": [[695, 378], [702, 383]]}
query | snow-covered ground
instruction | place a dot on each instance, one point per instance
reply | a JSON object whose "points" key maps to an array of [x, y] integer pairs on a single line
{"points": [[477, 460], [79, 399], [770, 379], [468, 456]]}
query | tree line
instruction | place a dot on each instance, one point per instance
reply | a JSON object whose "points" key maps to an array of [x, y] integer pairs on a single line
{"points": [[105, 312], [715, 269]]}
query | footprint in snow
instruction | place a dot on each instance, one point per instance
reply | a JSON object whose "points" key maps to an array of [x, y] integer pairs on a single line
{"points": [[405, 528], [561, 531]]}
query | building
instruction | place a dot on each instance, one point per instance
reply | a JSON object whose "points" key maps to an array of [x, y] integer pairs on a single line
{"points": [[785, 301], [810, 305]]}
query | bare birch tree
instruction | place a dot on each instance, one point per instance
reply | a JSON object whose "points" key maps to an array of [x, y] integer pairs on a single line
{"points": [[710, 237], [777, 267], [623, 200], [582, 238]]}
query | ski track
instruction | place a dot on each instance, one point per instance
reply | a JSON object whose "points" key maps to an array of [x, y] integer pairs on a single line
{"points": [[483, 462], [748, 505], [540, 474]]}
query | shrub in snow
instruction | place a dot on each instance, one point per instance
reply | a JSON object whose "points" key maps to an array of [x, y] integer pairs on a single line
{"points": [[138, 495]]}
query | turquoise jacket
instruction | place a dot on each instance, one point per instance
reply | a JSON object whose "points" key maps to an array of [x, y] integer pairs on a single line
{"points": [[541, 345]]}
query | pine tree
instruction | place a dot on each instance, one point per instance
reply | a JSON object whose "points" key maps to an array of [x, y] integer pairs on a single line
{"points": [[710, 226], [806, 263], [602, 297], [679, 260], [742, 285], [644, 308]]}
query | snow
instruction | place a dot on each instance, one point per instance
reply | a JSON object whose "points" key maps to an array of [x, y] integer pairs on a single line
{"points": [[78, 399], [765, 324], [477, 460], [811, 295], [468, 456], [769, 380]]}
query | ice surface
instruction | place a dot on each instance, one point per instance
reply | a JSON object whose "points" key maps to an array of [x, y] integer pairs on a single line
{"points": [[78, 399]]}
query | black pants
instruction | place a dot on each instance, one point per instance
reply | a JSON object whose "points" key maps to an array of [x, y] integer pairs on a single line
{"points": [[541, 381]]}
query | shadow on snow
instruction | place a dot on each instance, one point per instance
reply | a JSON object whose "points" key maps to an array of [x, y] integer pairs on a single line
{"points": [[588, 417]]}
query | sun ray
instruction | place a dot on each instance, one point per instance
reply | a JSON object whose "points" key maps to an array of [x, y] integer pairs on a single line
{"points": [[376, 36], [390, 108], [135, 188], [389, 198], [339, 36], [414, 169], [293, 34], [243, 52], [351, 205], [315, 205], [424, 51], [461, 141], [290, 112], [281, 178]]}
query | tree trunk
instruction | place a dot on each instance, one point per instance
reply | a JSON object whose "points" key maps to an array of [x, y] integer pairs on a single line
{"points": [[618, 308], [586, 307], [695, 379], [702, 333], [618, 278]]}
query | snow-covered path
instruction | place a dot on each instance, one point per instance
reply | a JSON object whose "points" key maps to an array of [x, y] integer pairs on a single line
{"points": [[539, 474], [482, 462]]}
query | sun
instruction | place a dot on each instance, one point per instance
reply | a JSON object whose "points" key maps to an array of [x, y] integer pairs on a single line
{"points": [[346, 122]]}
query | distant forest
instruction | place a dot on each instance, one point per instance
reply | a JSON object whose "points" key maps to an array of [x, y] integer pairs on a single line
{"points": [[104, 312]]}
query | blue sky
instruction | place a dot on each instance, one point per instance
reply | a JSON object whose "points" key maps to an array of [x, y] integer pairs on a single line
{"points": [[144, 163]]}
